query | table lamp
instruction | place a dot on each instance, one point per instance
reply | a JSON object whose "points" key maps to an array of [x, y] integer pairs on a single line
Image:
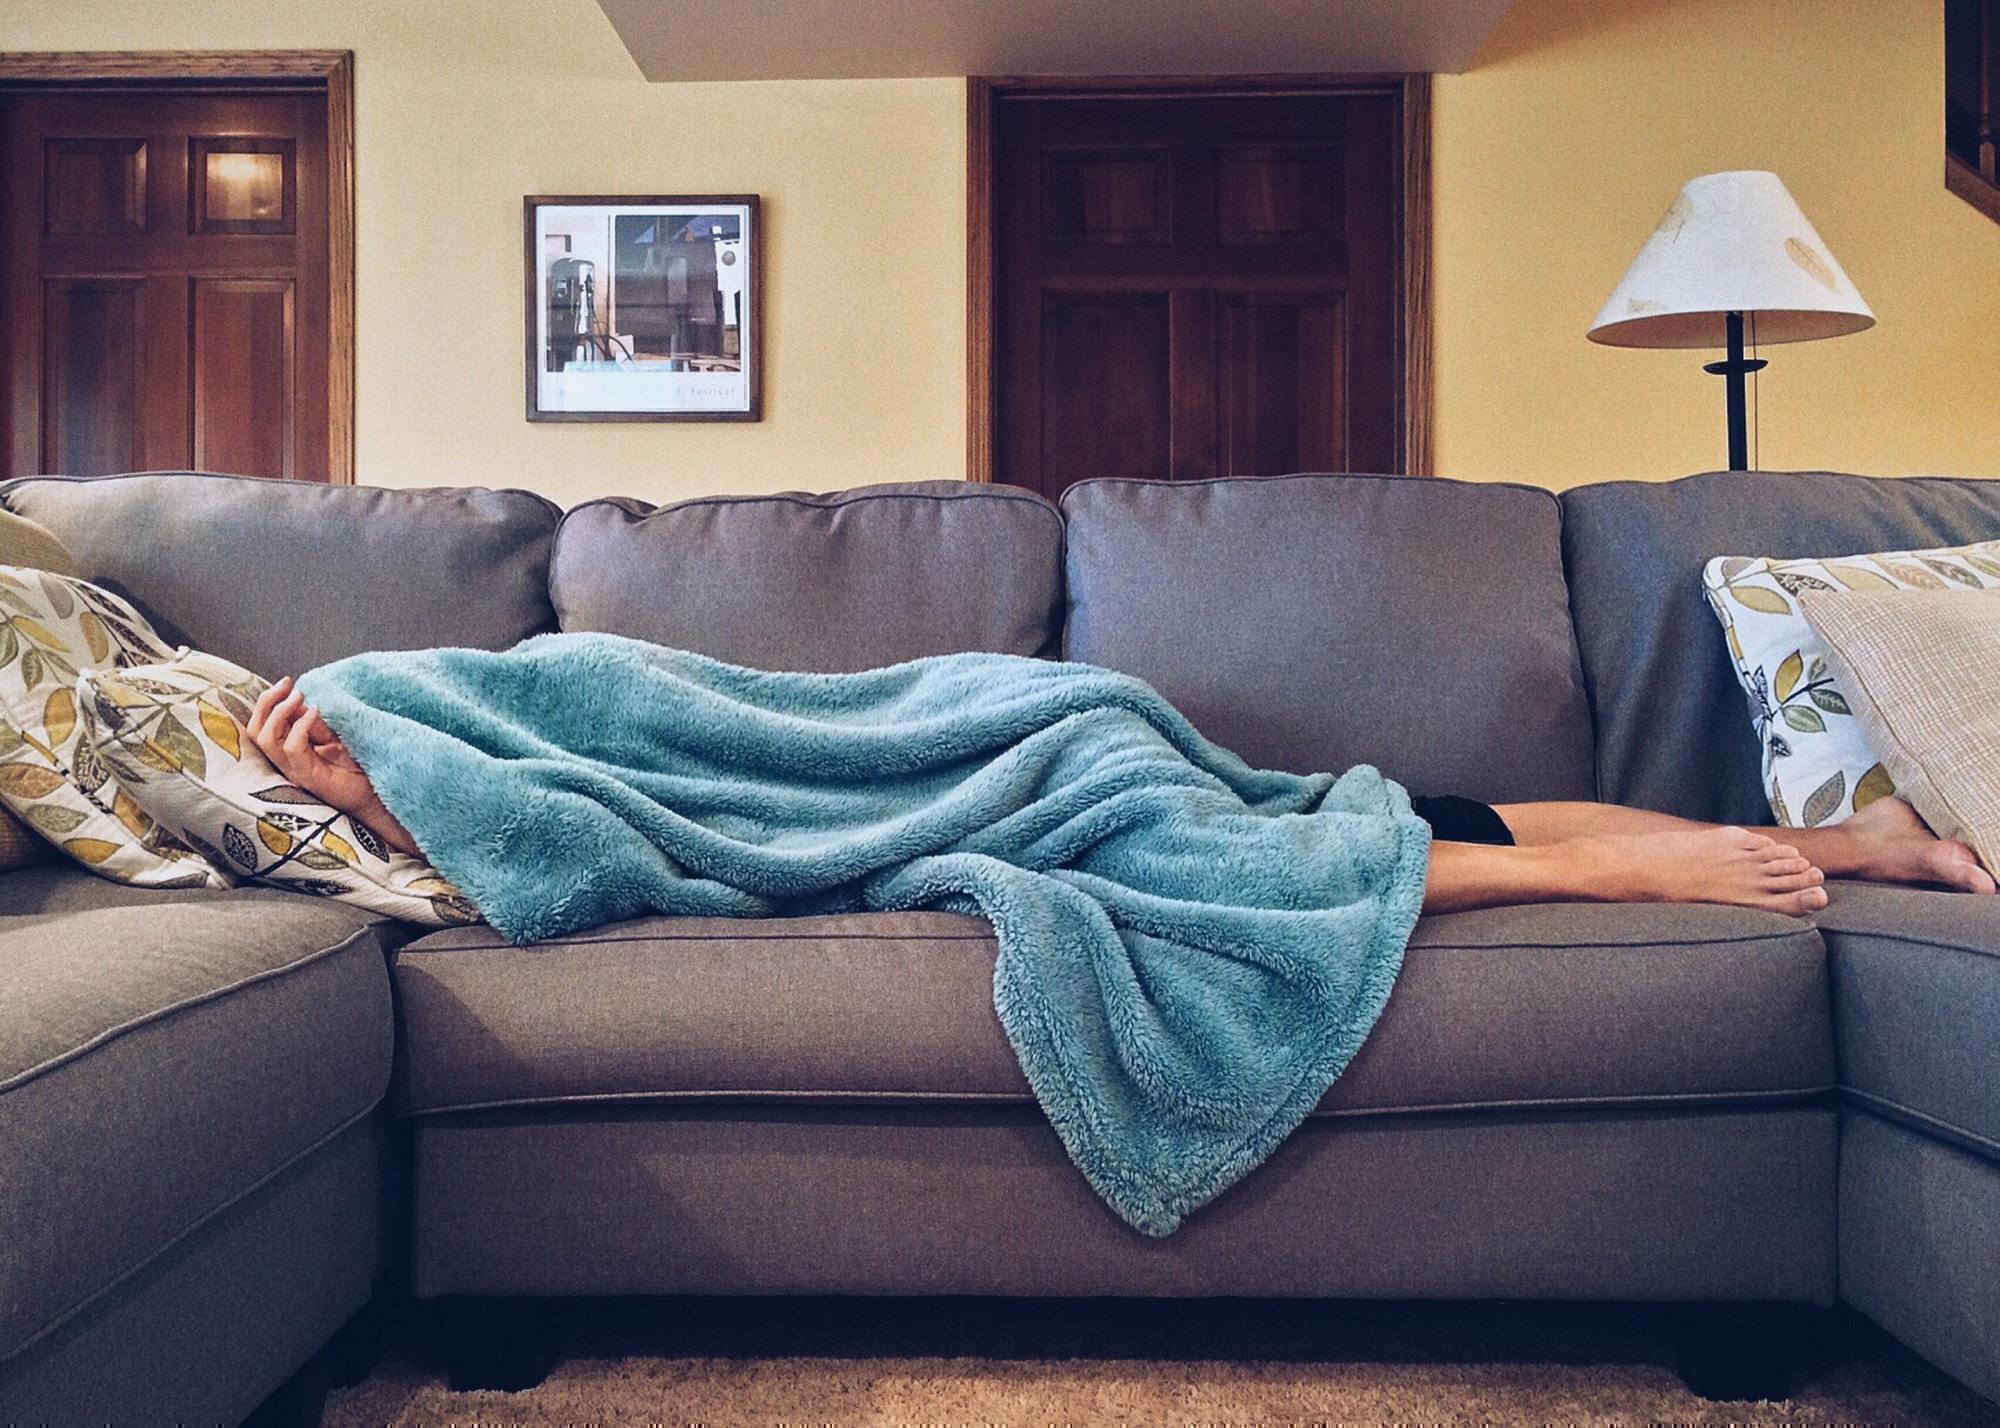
{"points": [[1732, 245]]}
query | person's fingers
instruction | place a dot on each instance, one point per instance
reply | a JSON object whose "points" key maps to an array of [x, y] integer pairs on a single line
{"points": [[298, 739], [323, 743], [278, 723], [261, 710]]}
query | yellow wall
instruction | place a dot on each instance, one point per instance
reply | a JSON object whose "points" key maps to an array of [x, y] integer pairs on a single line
{"points": [[463, 106], [1558, 152], [1554, 158]]}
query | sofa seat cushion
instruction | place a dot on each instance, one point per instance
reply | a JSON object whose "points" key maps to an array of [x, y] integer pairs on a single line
{"points": [[1916, 996], [1524, 1007], [162, 1054]]}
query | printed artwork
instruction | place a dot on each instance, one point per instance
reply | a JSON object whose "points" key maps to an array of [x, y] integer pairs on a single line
{"points": [[642, 309]]}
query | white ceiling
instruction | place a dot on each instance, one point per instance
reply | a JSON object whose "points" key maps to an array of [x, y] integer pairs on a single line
{"points": [[882, 39]]}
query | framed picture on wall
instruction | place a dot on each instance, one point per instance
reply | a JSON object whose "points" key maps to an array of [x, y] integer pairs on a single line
{"points": [[643, 309]]}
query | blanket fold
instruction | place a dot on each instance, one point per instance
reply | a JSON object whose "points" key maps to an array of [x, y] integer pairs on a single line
{"points": [[1190, 950]]}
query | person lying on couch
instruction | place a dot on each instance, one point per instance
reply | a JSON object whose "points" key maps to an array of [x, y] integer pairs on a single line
{"points": [[1480, 856], [1188, 949]]}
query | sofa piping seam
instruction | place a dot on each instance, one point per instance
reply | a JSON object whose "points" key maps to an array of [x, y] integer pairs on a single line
{"points": [[183, 1234], [1306, 476], [1025, 1097], [1904, 939], [7, 488], [568, 942], [832, 500], [417, 948], [1948, 1131], [113, 1033]]}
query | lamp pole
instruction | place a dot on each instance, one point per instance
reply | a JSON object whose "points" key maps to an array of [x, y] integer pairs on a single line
{"points": [[1732, 369]]}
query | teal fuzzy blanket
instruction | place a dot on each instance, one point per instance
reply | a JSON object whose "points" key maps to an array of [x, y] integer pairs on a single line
{"points": [[1190, 950]]}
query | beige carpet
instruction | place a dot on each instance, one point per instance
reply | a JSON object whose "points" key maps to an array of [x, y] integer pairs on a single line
{"points": [[985, 1391], [1430, 1365]]}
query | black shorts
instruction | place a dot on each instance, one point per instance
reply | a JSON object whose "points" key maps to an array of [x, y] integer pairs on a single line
{"points": [[1462, 820]]}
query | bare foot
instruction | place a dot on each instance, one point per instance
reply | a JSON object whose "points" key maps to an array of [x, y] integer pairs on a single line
{"points": [[1889, 843], [1725, 865]]}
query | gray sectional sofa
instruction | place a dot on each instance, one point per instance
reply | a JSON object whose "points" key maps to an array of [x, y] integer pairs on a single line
{"points": [[222, 1116]]}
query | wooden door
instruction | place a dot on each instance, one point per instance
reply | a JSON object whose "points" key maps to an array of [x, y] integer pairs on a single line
{"points": [[164, 295], [1188, 286]]}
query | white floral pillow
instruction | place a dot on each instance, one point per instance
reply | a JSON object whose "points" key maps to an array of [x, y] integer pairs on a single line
{"points": [[52, 629], [174, 733], [1818, 767]]}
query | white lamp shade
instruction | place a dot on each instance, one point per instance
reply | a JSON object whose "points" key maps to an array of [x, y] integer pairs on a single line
{"points": [[1731, 242]]}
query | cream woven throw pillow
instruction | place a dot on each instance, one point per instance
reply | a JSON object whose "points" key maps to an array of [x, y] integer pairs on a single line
{"points": [[175, 733], [1921, 670], [1818, 764]]}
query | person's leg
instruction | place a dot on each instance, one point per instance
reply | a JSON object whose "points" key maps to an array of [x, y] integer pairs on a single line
{"points": [[1884, 842], [1687, 864]]}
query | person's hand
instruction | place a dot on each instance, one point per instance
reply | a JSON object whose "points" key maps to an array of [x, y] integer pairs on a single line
{"points": [[292, 736]]}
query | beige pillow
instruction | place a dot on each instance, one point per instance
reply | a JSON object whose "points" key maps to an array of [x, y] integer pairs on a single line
{"points": [[1921, 671]]}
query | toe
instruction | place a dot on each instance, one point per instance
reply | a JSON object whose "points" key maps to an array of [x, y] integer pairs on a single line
{"points": [[1781, 867], [1797, 882], [1958, 867], [1806, 900]]}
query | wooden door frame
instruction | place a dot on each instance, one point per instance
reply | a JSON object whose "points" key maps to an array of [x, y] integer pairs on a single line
{"points": [[331, 70], [1413, 329]]}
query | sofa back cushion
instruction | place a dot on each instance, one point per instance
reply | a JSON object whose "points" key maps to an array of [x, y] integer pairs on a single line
{"points": [[1673, 730], [848, 581], [280, 576], [1314, 622]]}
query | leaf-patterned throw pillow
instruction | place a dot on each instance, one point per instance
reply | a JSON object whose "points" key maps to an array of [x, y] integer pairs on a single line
{"points": [[52, 629], [1818, 767], [174, 733]]}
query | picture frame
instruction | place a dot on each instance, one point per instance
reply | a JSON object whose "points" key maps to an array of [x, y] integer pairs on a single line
{"points": [[643, 307]]}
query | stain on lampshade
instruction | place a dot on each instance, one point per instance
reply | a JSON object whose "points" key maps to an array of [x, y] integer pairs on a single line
{"points": [[1808, 257]]}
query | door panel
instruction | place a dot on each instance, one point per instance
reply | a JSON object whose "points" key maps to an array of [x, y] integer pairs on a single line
{"points": [[95, 185], [1280, 194], [241, 185], [1196, 285], [243, 375], [93, 338], [1285, 399], [1089, 428], [1105, 195], [163, 281]]}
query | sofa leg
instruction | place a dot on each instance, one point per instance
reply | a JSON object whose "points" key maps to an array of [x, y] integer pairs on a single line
{"points": [[497, 1343], [298, 1402], [1744, 1350]]}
